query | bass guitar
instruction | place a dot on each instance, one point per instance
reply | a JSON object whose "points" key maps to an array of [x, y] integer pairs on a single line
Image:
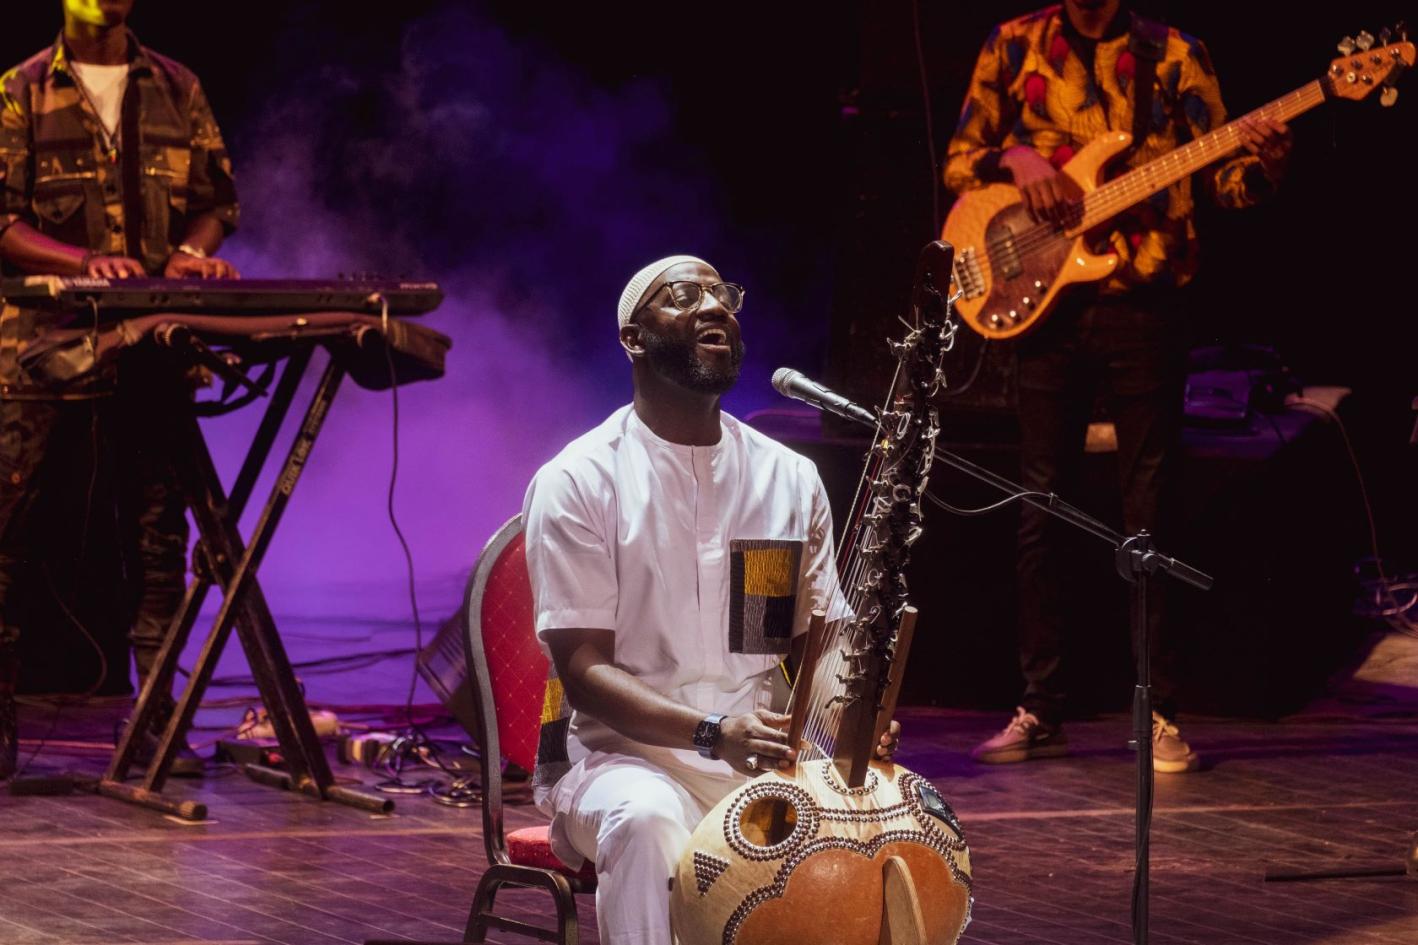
{"points": [[1011, 270]]}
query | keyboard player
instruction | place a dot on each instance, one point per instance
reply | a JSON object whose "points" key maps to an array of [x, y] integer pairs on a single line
{"points": [[111, 164]]}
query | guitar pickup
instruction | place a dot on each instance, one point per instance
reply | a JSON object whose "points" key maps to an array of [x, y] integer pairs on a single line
{"points": [[1003, 250]]}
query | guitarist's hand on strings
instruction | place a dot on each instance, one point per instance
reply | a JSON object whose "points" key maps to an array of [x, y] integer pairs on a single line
{"points": [[1269, 140], [1046, 192], [759, 737]]}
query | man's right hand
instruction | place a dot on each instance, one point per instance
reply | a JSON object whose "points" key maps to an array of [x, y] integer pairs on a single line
{"points": [[29, 250], [760, 733], [114, 267], [1046, 192]]}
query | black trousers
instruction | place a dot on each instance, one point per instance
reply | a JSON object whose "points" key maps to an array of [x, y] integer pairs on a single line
{"points": [[1132, 349], [124, 436]]}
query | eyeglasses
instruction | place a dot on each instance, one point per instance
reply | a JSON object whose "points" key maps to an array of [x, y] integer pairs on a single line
{"points": [[687, 296]]}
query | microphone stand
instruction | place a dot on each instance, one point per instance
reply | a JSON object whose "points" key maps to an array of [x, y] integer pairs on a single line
{"points": [[1137, 559]]}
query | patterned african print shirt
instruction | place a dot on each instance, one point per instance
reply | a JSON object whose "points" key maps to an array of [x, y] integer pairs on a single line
{"points": [[1033, 86], [58, 175]]}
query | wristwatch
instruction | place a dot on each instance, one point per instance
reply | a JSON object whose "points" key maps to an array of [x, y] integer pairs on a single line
{"points": [[706, 735]]}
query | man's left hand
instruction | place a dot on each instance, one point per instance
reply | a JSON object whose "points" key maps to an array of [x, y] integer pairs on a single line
{"points": [[890, 741], [180, 265], [1269, 140]]}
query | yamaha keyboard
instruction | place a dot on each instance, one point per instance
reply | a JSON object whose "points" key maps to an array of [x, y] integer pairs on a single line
{"points": [[122, 298]]}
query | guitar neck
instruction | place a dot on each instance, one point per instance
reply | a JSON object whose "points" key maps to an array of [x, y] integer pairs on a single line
{"points": [[1137, 185]]}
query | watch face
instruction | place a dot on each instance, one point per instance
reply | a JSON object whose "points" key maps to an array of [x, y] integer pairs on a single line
{"points": [[706, 733]]}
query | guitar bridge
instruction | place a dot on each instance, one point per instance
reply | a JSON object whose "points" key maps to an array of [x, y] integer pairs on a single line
{"points": [[968, 277]]}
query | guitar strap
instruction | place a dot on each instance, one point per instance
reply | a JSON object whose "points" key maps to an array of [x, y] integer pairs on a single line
{"points": [[1147, 41]]}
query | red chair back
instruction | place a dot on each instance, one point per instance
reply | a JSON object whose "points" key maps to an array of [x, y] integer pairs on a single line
{"points": [[500, 615]]}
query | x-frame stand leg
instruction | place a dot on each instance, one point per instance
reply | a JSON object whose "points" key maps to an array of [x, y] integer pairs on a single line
{"points": [[223, 558]]}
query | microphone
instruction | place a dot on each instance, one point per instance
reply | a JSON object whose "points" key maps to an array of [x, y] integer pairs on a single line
{"points": [[795, 384]]}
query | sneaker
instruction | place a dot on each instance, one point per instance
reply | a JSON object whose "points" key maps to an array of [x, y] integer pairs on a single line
{"points": [[1025, 737], [1170, 752]]}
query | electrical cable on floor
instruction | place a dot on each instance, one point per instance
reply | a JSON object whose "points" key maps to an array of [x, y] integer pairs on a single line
{"points": [[1395, 615], [389, 499], [419, 744], [322, 666], [344, 638]]}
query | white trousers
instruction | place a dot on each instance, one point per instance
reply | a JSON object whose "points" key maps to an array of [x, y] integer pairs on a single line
{"points": [[633, 819]]}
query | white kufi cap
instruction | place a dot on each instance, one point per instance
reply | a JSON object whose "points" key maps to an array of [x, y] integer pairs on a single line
{"points": [[640, 283]]}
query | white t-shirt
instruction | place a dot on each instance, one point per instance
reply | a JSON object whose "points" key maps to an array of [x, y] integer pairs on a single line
{"points": [[704, 560], [105, 85]]}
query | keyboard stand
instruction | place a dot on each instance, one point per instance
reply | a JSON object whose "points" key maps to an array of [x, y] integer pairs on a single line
{"points": [[223, 559]]}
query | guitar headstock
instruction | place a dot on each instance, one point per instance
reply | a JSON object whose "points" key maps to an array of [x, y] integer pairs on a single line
{"points": [[1366, 65]]}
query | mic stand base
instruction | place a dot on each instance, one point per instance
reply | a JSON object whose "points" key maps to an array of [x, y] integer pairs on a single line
{"points": [[1409, 868]]}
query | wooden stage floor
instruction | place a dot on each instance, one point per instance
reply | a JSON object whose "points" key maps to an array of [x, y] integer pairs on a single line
{"points": [[1051, 841]]}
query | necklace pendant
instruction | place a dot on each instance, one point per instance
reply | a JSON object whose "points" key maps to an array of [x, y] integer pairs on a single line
{"points": [[112, 155]]}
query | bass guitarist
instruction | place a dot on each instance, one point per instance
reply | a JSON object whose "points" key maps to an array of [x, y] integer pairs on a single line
{"points": [[1045, 85]]}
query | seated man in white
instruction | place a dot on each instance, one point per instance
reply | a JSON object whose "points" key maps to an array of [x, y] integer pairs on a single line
{"points": [[675, 557]]}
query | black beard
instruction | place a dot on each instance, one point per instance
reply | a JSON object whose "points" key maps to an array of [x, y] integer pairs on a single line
{"points": [[679, 362]]}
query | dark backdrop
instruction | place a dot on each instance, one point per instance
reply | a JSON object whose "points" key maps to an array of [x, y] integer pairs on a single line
{"points": [[531, 156], [764, 105]]}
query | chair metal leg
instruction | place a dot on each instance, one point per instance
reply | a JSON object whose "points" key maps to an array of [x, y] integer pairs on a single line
{"points": [[483, 901], [566, 914], [481, 916]]}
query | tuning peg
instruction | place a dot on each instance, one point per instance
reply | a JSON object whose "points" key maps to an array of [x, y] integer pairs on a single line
{"points": [[1385, 35], [1388, 96], [1346, 46], [1364, 40]]}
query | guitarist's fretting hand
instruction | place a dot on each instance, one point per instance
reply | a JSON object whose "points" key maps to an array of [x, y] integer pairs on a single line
{"points": [[1270, 141], [1045, 190]]}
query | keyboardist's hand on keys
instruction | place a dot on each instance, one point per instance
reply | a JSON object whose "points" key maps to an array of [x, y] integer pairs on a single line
{"points": [[114, 267], [182, 266]]}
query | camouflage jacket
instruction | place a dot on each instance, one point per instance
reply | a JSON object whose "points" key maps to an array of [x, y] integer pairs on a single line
{"points": [[1031, 87], [56, 176]]}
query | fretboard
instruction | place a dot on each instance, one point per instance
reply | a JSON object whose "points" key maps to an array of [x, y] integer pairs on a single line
{"points": [[1137, 185]]}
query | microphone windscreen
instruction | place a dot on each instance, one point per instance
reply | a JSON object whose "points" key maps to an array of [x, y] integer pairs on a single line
{"points": [[781, 379]]}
